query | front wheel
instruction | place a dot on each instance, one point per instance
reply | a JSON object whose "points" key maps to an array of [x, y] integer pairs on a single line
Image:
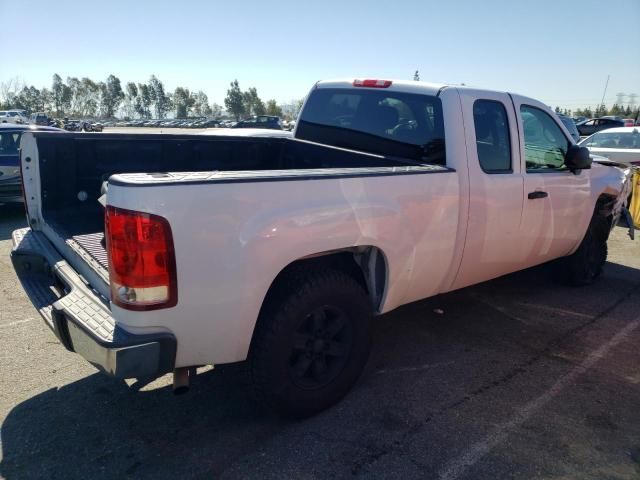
{"points": [[587, 262], [311, 343]]}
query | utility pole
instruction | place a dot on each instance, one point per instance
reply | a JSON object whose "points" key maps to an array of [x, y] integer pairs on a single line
{"points": [[605, 90]]}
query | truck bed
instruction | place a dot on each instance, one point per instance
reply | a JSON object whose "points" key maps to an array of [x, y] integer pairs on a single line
{"points": [[85, 232], [73, 167], [93, 244]]}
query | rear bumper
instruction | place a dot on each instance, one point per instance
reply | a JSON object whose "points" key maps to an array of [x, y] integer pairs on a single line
{"points": [[80, 318]]}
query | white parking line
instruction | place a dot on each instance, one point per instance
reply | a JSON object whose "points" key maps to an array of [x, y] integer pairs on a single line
{"points": [[457, 467], [561, 311], [416, 368]]}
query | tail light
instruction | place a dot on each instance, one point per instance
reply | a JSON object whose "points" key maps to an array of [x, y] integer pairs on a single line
{"points": [[142, 264], [372, 83]]}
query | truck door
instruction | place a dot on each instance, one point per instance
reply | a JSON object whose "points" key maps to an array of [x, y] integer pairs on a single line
{"points": [[495, 187], [554, 197]]}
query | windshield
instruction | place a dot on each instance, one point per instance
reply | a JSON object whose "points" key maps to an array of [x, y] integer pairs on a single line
{"points": [[377, 121], [623, 140], [569, 125]]}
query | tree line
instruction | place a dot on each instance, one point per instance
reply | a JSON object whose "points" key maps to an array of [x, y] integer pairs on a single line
{"points": [[86, 98], [601, 111]]}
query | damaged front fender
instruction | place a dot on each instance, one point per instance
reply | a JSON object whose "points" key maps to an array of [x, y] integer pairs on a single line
{"points": [[613, 182]]}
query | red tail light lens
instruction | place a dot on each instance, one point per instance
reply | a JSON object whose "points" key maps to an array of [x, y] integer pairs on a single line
{"points": [[142, 265], [372, 83]]}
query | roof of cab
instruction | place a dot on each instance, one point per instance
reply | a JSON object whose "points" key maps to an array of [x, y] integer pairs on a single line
{"points": [[408, 86]]}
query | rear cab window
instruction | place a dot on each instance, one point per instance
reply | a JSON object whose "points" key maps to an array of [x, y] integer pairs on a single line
{"points": [[9, 144], [492, 136], [383, 122]]}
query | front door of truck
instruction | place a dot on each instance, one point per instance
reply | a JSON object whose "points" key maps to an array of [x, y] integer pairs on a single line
{"points": [[554, 197], [495, 187]]}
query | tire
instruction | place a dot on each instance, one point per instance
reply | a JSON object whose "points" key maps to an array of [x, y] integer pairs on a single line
{"points": [[311, 342], [585, 265]]}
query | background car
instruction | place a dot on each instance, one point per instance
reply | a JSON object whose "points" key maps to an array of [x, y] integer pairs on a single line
{"points": [[211, 124], [89, 126], [39, 118], [260, 121], [617, 144], [13, 116], [569, 125], [72, 125], [629, 122], [589, 127], [10, 133]]}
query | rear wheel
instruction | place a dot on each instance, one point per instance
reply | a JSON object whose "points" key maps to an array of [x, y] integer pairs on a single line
{"points": [[311, 343]]}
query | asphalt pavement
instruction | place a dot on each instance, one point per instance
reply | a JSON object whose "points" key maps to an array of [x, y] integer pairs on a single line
{"points": [[519, 377]]}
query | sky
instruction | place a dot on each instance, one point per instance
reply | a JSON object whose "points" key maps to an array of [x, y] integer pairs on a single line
{"points": [[558, 51]]}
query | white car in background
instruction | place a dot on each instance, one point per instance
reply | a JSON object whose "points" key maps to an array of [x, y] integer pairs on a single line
{"points": [[617, 144], [13, 116]]}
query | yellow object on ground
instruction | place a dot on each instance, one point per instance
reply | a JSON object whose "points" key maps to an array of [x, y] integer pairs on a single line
{"points": [[634, 207]]}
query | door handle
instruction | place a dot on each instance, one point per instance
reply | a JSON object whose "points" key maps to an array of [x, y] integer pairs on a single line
{"points": [[537, 194]]}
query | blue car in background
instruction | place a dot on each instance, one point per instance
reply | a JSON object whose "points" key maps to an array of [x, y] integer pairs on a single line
{"points": [[10, 133]]}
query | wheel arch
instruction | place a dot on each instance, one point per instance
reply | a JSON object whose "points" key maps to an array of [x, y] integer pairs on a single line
{"points": [[367, 264], [606, 205]]}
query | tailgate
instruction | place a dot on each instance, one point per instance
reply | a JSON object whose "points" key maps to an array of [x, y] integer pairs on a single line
{"points": [[80, 318]]}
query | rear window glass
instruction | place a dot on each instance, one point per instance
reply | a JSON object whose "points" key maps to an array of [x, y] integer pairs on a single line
{"points": [[492, 136], [376, 121], [9, 142]]}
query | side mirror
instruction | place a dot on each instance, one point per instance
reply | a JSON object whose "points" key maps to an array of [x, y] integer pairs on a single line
{"points": [[577, 158]]}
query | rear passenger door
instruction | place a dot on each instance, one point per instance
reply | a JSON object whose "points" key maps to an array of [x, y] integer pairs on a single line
{"points": [[496, 187]]}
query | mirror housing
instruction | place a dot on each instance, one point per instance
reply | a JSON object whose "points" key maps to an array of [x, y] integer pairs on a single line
{"points": [[577, 158]]}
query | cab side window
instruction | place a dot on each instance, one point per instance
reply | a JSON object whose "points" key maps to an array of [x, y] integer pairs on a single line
{"points": [[545, 146], [492, 136]]}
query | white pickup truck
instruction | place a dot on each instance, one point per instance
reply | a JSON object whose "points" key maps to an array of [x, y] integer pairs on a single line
{"points": [[279, 251]]}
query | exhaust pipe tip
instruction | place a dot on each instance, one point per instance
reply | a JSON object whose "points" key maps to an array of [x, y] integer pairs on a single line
{"points": [[180, 390], [181, 381]]}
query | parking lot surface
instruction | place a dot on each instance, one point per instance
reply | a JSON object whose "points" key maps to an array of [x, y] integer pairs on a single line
{"points": [[515, 378]]}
